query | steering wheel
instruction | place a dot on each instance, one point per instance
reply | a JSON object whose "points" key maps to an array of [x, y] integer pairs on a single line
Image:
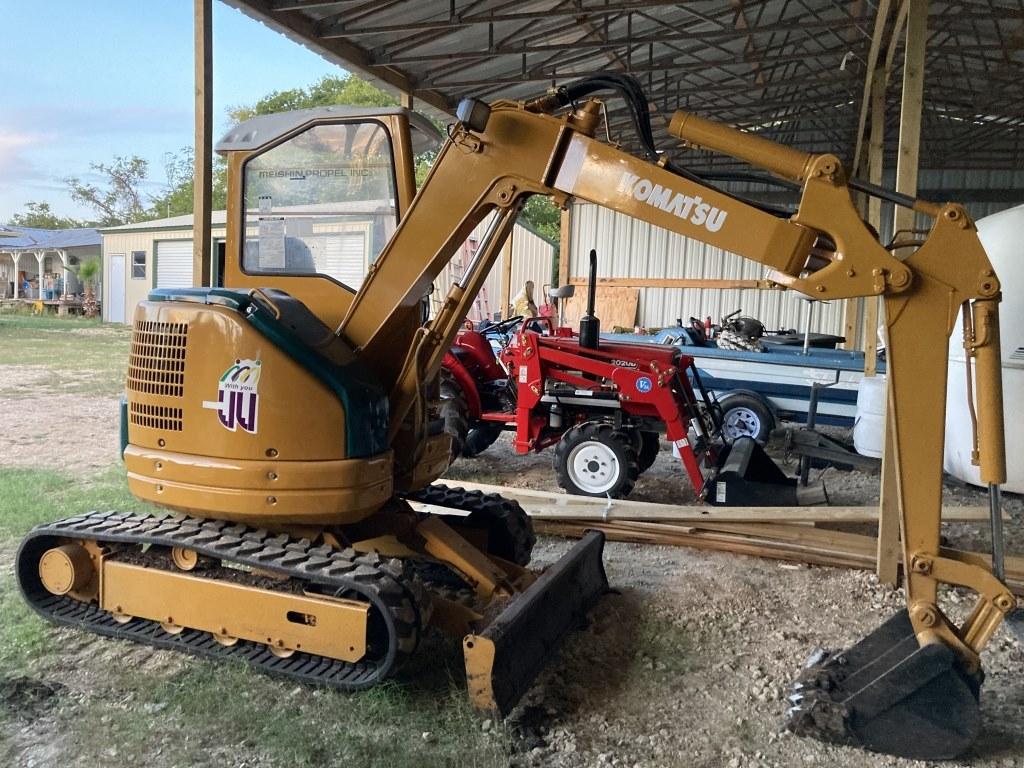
{"points": [[502, 327]]}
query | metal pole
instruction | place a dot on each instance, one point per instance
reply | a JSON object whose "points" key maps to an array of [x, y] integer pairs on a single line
{"points": [[807, 325]]}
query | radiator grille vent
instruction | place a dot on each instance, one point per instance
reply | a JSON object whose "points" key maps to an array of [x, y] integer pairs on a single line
{"points": [[155, 416], [157, 362]]}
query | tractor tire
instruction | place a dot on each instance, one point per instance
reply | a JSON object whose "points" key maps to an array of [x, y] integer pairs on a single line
{"points": [[509, 529], [595, 459], [480, 438], [650, 447], [746, 416], [646, 443], [455, 413]]}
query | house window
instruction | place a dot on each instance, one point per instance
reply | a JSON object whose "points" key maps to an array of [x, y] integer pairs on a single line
{"points": [[138, 265]]}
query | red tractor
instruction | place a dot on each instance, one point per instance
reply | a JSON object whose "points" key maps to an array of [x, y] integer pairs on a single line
{"points": [[605, 406]]}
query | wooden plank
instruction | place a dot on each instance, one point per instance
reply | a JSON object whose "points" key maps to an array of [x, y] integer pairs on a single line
{"points": [[678, 282], [202, 239], [881, 17], [844, 550], [615, 306], [910, 108], [906, 183], [506, 279], [545, 505], [887, 567]]}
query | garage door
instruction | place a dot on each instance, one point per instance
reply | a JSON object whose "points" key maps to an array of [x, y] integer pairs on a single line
{"points": [[174, 264]]}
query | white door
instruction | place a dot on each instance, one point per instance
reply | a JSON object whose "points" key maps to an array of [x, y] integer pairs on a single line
{"points": [[174, 264], [344, 257], [115, 298]]}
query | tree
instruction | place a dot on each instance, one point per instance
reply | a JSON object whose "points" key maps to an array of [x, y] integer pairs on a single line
{"points": [[117, 199], [540, 213], [328, 90], [178, 198], [39, 215]]}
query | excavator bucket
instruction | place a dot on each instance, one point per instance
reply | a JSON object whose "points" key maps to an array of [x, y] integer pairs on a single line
{"points": [[890, 694], [747, 477], [503, 660]]}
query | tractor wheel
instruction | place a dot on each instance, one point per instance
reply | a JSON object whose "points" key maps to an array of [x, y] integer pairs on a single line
{"points": [[595, 459], [746, 416], [455, 413], [650, 446], [646, 443], [480, 438]]}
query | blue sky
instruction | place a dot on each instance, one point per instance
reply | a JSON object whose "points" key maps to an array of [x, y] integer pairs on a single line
{"points": [[83, 82]]}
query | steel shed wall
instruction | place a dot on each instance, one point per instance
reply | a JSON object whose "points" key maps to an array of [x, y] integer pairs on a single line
{"points": [[532, 259], [630, 248]]}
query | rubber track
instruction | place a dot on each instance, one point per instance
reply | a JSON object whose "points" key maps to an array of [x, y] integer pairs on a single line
{"points": [[375, 579]]}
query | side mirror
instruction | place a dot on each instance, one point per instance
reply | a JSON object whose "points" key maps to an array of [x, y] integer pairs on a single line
{"points": [[562, 292]]}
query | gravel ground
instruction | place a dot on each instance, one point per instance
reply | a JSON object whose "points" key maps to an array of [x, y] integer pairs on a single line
{"points": [[687, 663]]}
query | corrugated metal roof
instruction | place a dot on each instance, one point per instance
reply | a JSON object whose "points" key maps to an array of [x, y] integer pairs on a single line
{"points": [[217, 218], [32, 238], [791, 71]]}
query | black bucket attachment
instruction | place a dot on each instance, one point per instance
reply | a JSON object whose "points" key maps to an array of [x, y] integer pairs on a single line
{"points": [[503, 660], [889, 694], [747, 477]]}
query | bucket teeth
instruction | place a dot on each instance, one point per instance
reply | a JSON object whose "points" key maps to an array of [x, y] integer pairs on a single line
{"points": [[890, 694]]}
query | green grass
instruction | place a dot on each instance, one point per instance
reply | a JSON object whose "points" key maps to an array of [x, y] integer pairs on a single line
{"points": [[75, 356], [199, 712]]}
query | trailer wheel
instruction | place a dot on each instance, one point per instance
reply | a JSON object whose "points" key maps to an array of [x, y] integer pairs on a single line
{"points": [[746, 416], [595, 459], [480, 438], [455, 413]]}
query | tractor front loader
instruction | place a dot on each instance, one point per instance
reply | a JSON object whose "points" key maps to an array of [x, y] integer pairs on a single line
{"points": [[289, 417]]}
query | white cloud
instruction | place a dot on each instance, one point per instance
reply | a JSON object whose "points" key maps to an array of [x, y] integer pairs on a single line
{"points": [[13, 163]]}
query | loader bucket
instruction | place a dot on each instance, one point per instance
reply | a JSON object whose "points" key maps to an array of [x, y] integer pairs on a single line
{"points": [[503, 661], [890, 694], [747, 477]]}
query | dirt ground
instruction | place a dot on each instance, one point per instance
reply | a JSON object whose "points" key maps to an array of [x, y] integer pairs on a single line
{"points": [[686, 664]]}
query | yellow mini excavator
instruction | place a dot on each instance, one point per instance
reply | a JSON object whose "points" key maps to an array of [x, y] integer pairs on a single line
{"points": [[289, 420]]}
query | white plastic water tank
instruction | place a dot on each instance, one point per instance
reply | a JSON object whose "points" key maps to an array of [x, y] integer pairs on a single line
{"points": [[869, 425], [1002, 234]]}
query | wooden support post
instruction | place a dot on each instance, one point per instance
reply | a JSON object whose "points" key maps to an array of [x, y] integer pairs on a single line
{"points": [[506, 278], [564, 255], [564, 247], [876, 153], [887, 566], [407, 99], [203, 179]]}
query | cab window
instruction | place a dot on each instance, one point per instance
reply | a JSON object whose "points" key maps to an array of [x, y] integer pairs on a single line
{"points": [[321, 203]]}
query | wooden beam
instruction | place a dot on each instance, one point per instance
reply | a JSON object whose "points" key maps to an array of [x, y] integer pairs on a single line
{"points": [[875, 157], [564, 246], [506, 278], [202, 186], [910, 108], [890, 519], [673, 282], [545, 505], [881, 17]]}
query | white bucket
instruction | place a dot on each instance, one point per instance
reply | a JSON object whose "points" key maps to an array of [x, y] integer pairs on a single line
{"points": [[869, 425]]}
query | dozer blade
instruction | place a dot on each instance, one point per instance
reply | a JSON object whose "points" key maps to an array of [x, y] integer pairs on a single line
{"points": [[503, 661], [747, 477], [890, 694]]}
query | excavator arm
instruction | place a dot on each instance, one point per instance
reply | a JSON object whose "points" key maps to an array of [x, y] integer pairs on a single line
{"points": [[498, 156]]}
